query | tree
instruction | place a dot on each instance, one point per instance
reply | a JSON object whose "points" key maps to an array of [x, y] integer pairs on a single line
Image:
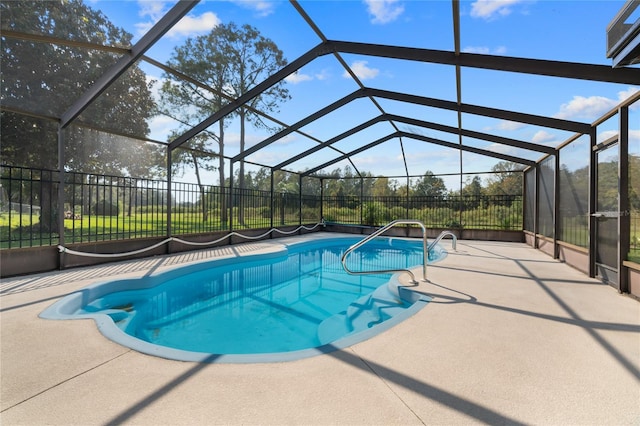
{"points": [[44, 79], [473, 187], [262, 179], [381, 187], [229, 61], [507, 179], [252, 58], [471, 193], [430, 185], [285, 182], [186, 102], [310, 186], [183, 157], [344, 186]]}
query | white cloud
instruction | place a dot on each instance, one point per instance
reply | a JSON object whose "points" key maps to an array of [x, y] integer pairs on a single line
{"points": [[484, 50], [500, 50], [192, 25], [143, 27], [488, 9], [501, 149], [592, 107], [368, 160], [250, 139], [384, 11], [154, 9], [435, 153], [161, 126], [187, 26], [289, 139], [270, 157], [588, 108], [542, 137], [625, 94], [322, 75], [634, 135], [262, 8], [362, 71], [506, 125], [297, 77], [607, 134]]}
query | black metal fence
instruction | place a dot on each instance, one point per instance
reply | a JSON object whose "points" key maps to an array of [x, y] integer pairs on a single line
{"points": [[103, 208], [23, 194], [452, 211]]}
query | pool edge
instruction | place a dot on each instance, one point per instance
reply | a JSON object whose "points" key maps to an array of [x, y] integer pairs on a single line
{"points": [[107, 327]]}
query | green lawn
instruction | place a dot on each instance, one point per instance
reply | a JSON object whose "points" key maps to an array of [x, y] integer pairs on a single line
{"points": [[24, 230]]}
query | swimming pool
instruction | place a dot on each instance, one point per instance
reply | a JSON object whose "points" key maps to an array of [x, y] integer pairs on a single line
{"points": [[291, 302]]}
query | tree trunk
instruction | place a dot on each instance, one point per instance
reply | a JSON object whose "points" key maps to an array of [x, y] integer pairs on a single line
{"points": [[203, 194], [223, 199], [132, 195], [48, 205]]}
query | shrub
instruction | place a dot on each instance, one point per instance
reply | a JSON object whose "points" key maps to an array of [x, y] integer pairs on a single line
{"points": [[265, 212], [329, 218], [309, 213], [453, 224], [397, 213], [370, 214]]}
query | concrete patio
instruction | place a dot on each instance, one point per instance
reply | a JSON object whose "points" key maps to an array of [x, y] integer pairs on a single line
{"points": [[511, 337]]}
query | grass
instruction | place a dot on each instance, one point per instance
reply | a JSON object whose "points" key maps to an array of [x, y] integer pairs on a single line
{"points": [[23, 230]]}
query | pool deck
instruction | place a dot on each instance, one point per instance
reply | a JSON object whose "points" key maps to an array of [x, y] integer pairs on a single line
{"points": [[512, 336]]}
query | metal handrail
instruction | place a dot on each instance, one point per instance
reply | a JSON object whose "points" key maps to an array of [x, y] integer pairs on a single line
{"points": [[441, 236], [382, 231]]}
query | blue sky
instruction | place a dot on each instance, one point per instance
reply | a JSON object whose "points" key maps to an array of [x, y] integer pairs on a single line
{"points": [[556, 30]]}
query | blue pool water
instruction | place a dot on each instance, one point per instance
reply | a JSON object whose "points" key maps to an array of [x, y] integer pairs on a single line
{"points": [[290, 300]]}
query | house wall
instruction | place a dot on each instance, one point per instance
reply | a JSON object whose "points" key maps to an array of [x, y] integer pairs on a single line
{"points": [[578, 257], [633, 271], [545, 245]]}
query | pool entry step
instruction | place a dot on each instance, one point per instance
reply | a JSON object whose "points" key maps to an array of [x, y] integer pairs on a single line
{"points": [[360, 315]]}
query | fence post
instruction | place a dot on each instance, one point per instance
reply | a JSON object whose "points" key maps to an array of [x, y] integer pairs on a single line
{"points": [[361, 200], [556, 205], [169, 198], [300, 201], [592, 201], [272, 204], [60, 218], [536, 206], [624, 207], [231, 198], [321, 199], [407, 207]]}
